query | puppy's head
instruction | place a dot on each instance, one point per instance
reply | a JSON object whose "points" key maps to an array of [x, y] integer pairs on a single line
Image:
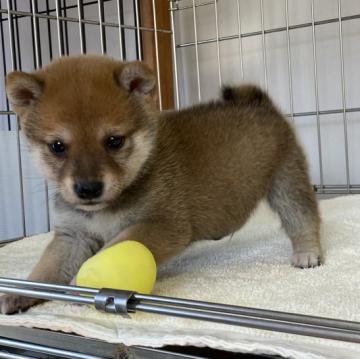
{"points": [[90, 122]]}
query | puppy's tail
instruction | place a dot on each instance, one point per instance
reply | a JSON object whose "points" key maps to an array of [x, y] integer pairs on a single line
{"points": [[246, 95]]}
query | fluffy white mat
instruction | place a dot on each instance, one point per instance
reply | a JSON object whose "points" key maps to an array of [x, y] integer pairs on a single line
{"points": [[250, 269]]}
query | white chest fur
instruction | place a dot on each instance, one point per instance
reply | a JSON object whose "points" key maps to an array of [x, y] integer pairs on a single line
{"points": [[104, 225]]}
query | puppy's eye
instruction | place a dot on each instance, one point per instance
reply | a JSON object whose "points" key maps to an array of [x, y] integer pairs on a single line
{"points": [[57, 147], [115, 142]]}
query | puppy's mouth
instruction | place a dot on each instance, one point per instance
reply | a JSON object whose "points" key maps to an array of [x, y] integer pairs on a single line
{"points": [[91, 206]]}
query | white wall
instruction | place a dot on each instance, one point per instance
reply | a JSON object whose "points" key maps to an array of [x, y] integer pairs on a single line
{"points": [[328, 68]]}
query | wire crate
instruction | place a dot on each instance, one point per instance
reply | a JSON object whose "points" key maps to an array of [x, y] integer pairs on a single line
{"points": [[304, 53]]}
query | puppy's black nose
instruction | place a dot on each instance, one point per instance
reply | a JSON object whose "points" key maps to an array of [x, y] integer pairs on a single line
{"points": [[88, 190]]}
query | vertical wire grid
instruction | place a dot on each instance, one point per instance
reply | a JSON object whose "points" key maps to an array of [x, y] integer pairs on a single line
{"points": [[173, 41], [38, 63], [289, 60], [13, 67], [66, 28], [343, 95], [241, 52], [80, 7], [18, 48], [49, 30], [121, 42], [263, 43], [4, 66], [196, 51], [32, 37], [157, 53], [316, 85], [36, 34], [138, 34], [101, 26], [59, 30], [217, 41]]}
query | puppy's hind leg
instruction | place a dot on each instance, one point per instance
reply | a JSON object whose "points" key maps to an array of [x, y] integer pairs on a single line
{"points": [[293, 198]]}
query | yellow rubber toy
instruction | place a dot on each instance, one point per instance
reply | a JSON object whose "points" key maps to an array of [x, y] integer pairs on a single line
{"points": [[128, 265]]}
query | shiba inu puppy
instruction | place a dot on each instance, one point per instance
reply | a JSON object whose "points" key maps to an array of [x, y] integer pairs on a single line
{"points": [[122, 170]]}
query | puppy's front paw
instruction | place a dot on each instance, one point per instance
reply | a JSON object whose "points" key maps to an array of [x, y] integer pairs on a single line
{"points": [[10, 304], [306, 260]]}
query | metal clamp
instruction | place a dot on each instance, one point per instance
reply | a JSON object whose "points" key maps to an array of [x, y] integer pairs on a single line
{"points": [[113, 301]]}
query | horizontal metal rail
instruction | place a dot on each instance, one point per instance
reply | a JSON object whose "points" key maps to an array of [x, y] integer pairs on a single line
{"points": [[221, 313], [295, 114], [175, 6], [73, 343], [83, 21], [231, 309], [6, 355], [63, 8], [337, 189], [42, 349], [270, 31]]}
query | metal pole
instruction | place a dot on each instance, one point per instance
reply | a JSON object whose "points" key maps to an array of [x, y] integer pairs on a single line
{"points": [[138, 34], [213, 312], [196, 51], [121, 30], [289, 60], [18, 143], [59, 29], [263, 44], [217, 41], [241, 52], [42, 349], [157, 54], [343, 99], [101, 27], [316, 84], [81, 26], [269, 31], [173, 42]]}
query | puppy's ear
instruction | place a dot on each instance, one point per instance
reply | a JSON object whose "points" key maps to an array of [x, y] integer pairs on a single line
{"points": [[23, 90], [136, 77]]}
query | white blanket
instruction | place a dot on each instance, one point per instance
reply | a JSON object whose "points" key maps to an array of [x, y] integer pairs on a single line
{"points": [[250, 269]]}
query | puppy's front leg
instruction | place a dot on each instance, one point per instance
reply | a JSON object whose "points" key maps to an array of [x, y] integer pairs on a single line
{"points": [[164, 239], [59, 263]]}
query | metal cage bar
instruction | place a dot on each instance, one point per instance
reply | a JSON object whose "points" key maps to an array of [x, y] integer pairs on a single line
{"points": [[62, 18], [42, 349], [138, 33], [343, 98], [240, 45], [4, 68], [270, 31], [101, 27], [81, 26], [263, 44], [59, 28], [316, 88], [109, 301], [288, 48], [157, 53], [37, 65], [196, 51], [120, 14], [174, 54], [18, 143], [217, 42]]}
